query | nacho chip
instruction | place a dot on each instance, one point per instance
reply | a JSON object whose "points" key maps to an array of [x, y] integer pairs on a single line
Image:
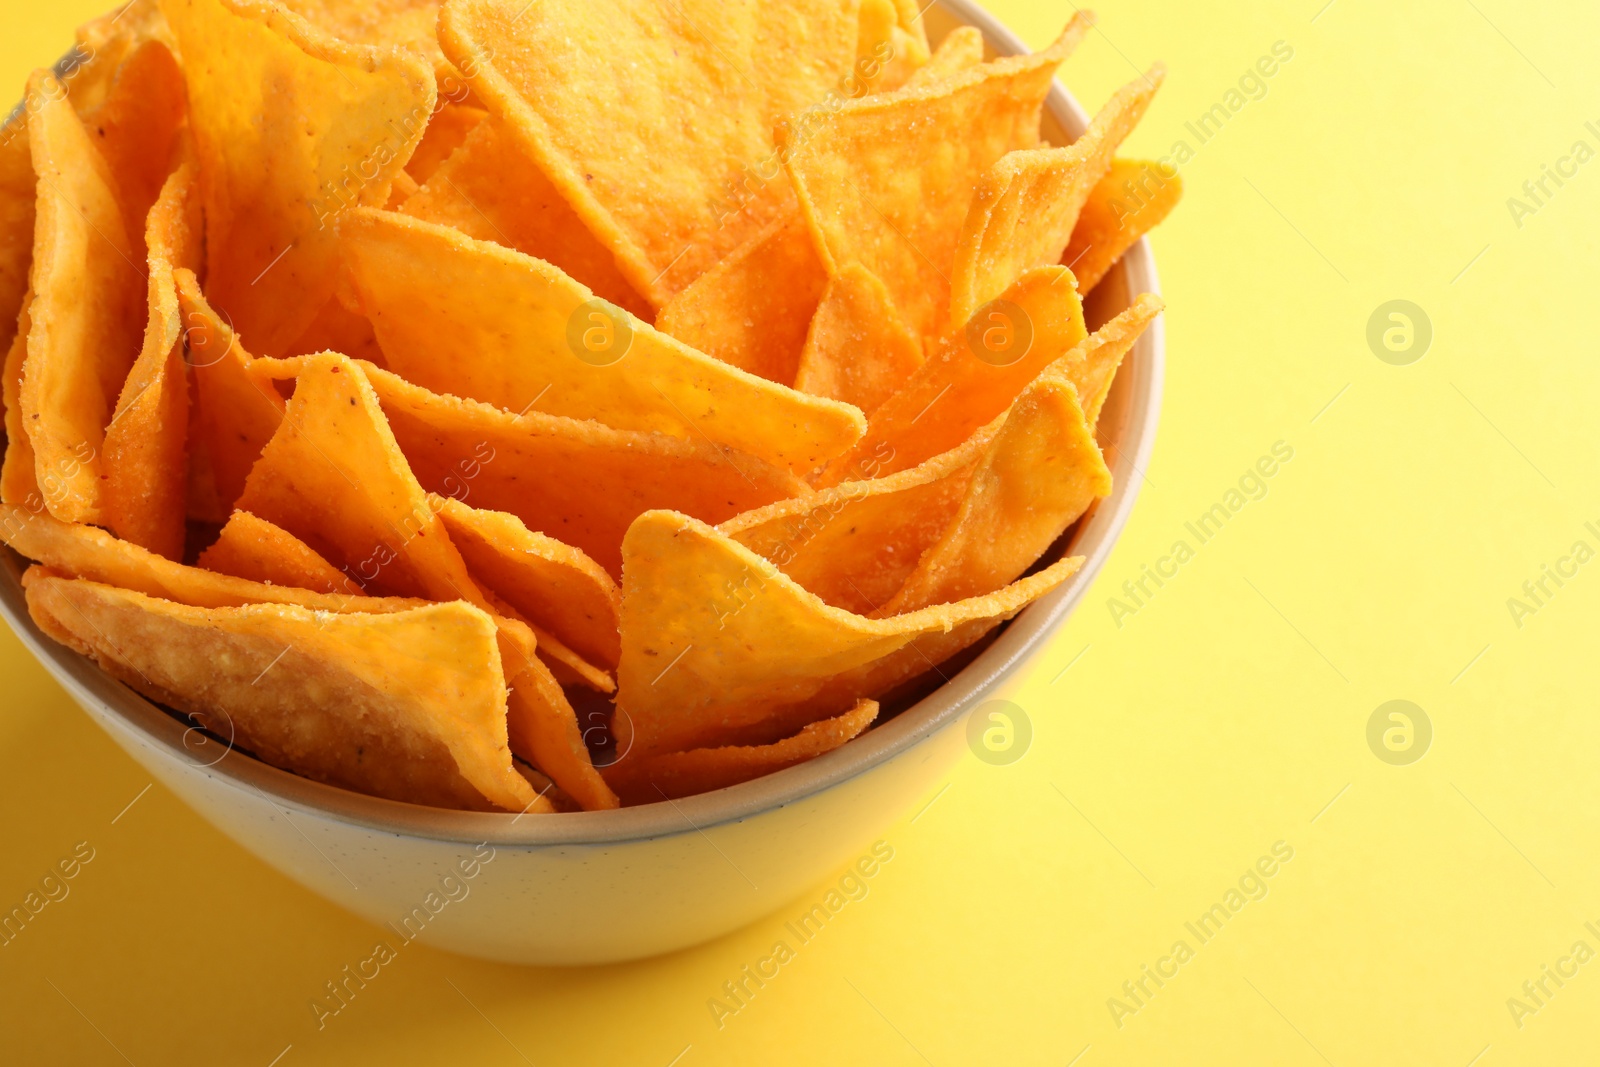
{"points": [[1026, 207], [1130, 201], [754, 309], [17, 483], [146, 490], [973, 375], [338, 329], [136, 129], [885, 54], [910, 14], [961, 50], [447, 131], [293, 127], [854, 546], [545, 469], [257, 551], [490, 324], [883, 180], [408, 706], [380, 23], [668, 157], [701, 770], [334, 477], [18, 195], [858, 351], [719, 647], [553, 585], [490, 191], [235, 414], [1092, 366], [87, 308]]}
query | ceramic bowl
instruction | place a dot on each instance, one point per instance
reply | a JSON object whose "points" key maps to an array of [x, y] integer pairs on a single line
{"points": [[597, 887]]}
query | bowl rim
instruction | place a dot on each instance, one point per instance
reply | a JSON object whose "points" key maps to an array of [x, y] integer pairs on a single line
{"points": [[117, 706]]}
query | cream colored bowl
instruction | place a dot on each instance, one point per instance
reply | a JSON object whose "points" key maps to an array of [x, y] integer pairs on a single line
{"points": [[597, 887]]}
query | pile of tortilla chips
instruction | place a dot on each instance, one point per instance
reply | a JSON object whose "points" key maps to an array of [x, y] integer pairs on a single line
{"points": [[542, 407]]}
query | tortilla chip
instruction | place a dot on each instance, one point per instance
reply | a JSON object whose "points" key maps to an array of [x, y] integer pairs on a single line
{"points": [[883, 180], [753, 310], [910, 14], [669, 157], [103, 43], [553, 585], [1026, 207], [334, 477], [87, 308], [137, 128], [258, 551], [446, 132], [957, 391], [719, 647], [18, 196], [235, 414], [490, 191], [407, 23], [961, 50], [701, 770], [854, 546], [17, 483], [338, 329], [885, 56], [1130, 201], [146, 488], [490, 324], [293, 126], [1092, 366], [544, 469], [858, 350], [408, 706]]}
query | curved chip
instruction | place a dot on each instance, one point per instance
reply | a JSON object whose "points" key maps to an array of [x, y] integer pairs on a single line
{"points": [[720, 647], [487, 323], [668, 157], [17, 482], [408, 706], [258, 551], [1130, 201], [447, 131], [962, 49], [293, 127], [857, 351], [682, 774]]}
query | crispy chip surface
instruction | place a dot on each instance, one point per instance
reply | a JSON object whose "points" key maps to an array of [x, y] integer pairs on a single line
{"points": [[490, 191], [137, 128], [257, 551], [668, 157], [720, 647], [857, 351], [146, 489], [1026, 207], [1130, 201], [683, 774], [886, 180], [486, 323], [87, 308], [18, 197], [293, 127], [973, 375], [962, 49], [17, 482], [754, 309], [408, 706]]}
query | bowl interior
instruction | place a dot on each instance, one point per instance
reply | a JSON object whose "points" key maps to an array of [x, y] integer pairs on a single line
{"points": [[1127, 432]]}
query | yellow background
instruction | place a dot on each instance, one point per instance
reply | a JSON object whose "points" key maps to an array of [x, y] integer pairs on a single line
{"points": [[1222, 717]]}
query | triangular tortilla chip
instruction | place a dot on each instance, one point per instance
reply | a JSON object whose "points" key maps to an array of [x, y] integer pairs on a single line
{"points": [[854, 545], [963, 386], [683, 774], [490, 191], [668, 158], [236, 415], [446, 132], [1129, 202], [753, 310], [961, 50], [408, 706], [882, 180], [17, 483], [719, 647], [258, 551], [334, 477], [553, 585], [1026, 206], [87, 309], [487, 323], [858, 351], [545, 469], [293, 127], [146, 487]]}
